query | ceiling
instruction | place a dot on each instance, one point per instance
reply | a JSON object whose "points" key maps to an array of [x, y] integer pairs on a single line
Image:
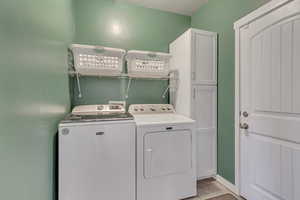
{"points": [[184, 7]]}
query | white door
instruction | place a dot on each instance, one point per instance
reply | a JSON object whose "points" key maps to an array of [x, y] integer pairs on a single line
{"points": [[270, 106]]}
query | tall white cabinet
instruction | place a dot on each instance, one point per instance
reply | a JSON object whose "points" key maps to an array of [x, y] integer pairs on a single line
{"points": [[194, 56]]}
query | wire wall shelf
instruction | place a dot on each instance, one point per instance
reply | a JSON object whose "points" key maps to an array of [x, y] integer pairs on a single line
{"points": [[105, 62], [172, 78], [73, 73]]}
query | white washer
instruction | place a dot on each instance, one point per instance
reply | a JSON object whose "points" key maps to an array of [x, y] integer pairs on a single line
{"points": [[166, 166], [97, 154]]}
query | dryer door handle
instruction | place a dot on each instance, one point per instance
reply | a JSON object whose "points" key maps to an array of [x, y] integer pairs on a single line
{"points": [[100, 133]]}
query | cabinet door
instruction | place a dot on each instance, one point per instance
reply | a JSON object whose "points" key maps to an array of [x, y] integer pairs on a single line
{"points": [[204, 57], [204, 112]]}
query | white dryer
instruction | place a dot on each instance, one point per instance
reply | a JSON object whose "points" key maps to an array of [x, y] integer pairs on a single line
{"points": [[166, 166]]}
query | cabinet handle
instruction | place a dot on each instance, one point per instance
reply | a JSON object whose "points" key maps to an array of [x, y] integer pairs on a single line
{"points": [[100, 133], [194, 76], [194, 93]]}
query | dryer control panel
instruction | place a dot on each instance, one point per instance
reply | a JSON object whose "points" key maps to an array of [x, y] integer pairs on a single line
{"points": [[151, 108]]}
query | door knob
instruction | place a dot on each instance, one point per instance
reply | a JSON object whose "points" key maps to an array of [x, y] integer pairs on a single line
{"points": [[245, 114], [244, 126]]}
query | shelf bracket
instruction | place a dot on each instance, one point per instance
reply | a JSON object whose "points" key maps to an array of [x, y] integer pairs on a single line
{"points": [[173, 83], [128, 88], [165, 92], [78, 85]]}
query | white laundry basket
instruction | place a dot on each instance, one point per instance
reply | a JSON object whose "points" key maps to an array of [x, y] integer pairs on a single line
{"points": [[147, 64], [97, 60]]}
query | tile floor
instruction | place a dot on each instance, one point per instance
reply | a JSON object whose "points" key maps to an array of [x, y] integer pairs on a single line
{"points": [[210, 189]]}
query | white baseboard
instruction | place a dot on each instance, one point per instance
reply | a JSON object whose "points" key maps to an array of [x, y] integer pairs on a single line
{"points": [[207, 174], [233, 188], [205, 177]]}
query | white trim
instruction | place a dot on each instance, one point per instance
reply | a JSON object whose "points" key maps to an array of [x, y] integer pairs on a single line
{"points": [[203, 32], [209, 175], [233, 188], [272, 5], [237, 110]]}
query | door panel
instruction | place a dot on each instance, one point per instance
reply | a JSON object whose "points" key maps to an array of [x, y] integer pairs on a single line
{"points": [[286, 172], [206, 154], [275, 68], [281, 127], [204, 112], [266, 156], [273, 168], [167, 153], [205, 107], [204, 63], [270, 94], [286, 61], [296, 173], [296, 66], [276, 50]]}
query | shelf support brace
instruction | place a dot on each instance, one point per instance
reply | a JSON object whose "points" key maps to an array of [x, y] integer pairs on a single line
{"points": [[78, 85], [128, 88], [165, 92]]}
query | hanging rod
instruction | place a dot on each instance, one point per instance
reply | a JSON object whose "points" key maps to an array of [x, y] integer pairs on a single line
{"points": [[123, 75]]}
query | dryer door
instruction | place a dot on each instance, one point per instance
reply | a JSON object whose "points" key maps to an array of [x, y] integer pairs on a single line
{"points": [[168, 152]]}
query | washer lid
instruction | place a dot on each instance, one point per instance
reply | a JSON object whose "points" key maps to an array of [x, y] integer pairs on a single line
{"points": [[163, 118], [71, 118]]}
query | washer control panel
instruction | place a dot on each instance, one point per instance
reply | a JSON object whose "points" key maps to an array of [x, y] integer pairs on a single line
{"points": [[151, 108], [98, 109]]}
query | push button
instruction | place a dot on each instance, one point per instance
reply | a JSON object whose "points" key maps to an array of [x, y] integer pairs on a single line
{"points": [[100, 107]]}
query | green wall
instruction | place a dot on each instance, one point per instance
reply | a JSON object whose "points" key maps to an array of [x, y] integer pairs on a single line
{"points": [[34, 36], [219, 16], [121, 25], [34, 96]]}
